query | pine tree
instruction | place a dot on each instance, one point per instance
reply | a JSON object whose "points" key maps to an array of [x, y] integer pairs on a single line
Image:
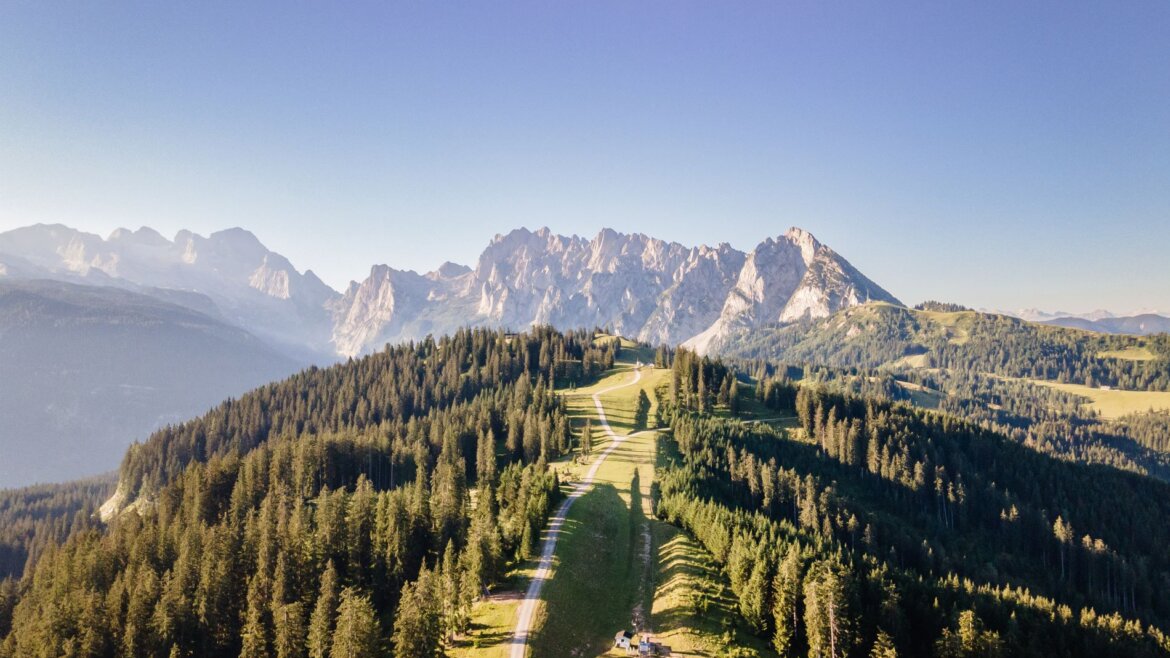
{"points": [[417, 624], [358, 632], [1064, 536], [587, 438], [321, 624], [755, 598], [485, 458], [447, 577], [289, 637], [828, 617], [883, 646], [137, 638], [704, 404], [968, 639], [254, 636]]}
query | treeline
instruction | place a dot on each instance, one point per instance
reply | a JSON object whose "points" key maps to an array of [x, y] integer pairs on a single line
{"points": [[1151, 430], [698, 382], [35, 518], [940, 307], [1010, 347], [328, 515], [881, 530]]}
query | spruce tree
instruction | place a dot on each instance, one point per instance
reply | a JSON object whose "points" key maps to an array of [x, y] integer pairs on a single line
{"points": [[289, 639], [254, 636], [586, 447], [321, 624], [358, 633], [417, 624], [787, 589]]}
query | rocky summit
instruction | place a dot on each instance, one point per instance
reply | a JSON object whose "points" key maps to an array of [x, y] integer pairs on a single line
{"points": [[657, 291]]}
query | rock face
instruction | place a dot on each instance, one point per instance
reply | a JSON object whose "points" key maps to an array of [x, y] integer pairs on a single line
{"points": [[657, 291], [660, 292]]}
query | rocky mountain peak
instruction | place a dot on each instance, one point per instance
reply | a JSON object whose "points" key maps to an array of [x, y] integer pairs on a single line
{"points": [[808, 243], [144, 236], [448, 270], [638, 285]]}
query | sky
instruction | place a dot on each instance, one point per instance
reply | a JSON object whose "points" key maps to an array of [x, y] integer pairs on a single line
{"points": [[996, 154]]}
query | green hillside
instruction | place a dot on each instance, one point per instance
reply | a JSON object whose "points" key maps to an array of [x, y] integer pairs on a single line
{"points": [[327, 514], [1069, 393], [886, 336]]}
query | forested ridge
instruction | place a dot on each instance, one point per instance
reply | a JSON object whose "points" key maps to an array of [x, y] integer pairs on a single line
{"points": [[326, 515], [985, 369], [35, 518], [878, 529], [964, 341], [1043, 418]]}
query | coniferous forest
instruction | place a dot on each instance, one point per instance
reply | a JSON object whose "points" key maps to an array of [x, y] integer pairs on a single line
{"points": [[327, 515], [877, 529]]}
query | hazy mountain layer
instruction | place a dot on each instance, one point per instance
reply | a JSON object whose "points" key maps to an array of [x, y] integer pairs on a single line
{"points": [[1141, 325], [249, 285], [85, 370]]}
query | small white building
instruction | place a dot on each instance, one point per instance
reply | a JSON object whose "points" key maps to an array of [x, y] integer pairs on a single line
{"points": [[624, 640]]}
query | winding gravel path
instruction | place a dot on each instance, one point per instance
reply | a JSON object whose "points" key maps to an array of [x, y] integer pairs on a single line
{"points": [[544, 569]]}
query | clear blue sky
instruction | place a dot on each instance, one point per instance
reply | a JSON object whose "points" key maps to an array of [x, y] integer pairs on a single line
{"points": [[999, 154]]}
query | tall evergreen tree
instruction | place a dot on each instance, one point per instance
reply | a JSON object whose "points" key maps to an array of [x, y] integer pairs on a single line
{"points": [[358, 633], [323, 620], [417, 624]]}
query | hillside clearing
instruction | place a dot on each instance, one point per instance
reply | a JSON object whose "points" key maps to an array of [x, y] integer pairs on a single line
{"points": [[1128, 354], [1112, 404]]}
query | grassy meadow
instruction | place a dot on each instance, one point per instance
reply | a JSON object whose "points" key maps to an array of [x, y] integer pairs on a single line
{"points": [[1114, 404]]}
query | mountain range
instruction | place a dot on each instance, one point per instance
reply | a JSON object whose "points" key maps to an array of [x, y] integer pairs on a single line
{"points": [[656, 291], [1141, 323]]}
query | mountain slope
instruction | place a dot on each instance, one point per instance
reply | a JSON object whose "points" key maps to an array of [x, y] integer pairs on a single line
{"points": [[876, 335], [946, 539], [87, 369], [367, 464]]}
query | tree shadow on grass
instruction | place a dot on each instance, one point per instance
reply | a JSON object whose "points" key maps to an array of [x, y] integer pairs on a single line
{"points": [[591, 594]]}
